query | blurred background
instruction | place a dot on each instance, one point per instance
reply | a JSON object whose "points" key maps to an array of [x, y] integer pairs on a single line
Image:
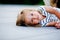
{"points": [[27, 2], [54, 3]]}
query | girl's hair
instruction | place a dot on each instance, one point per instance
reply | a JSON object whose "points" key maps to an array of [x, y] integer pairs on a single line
{"points": [[53, 3], [20, 19]]}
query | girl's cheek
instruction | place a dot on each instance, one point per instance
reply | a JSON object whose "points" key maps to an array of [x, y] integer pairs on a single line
{"points": [[35, 21]]}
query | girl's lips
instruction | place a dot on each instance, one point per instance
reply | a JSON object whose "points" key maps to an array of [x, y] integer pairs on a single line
{"points": [[38, 18]]}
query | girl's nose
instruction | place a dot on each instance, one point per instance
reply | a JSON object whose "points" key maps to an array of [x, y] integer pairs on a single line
{"points": [[35, 17]]}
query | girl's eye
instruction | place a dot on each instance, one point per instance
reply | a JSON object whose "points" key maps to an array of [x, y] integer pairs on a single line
{"points": [[31, 14]]}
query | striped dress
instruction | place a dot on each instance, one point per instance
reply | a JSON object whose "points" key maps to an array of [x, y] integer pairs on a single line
{"points": [[49, 17]]}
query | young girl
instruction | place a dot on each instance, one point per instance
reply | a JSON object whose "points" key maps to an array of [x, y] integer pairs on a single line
{"points": [[44, 16]]}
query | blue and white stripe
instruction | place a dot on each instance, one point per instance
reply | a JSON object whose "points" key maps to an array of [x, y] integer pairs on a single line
{"points": [[49, 17]]}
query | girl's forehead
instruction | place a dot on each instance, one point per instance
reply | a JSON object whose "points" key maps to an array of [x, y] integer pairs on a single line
{"points": [[28, 10]]}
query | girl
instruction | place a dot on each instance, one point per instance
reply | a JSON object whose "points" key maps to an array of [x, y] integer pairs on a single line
{"points": [[44, 16]]}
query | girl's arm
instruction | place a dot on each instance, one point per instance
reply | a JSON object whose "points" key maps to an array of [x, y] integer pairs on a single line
{"points": [[55, 24], [52, 11], [51, 24]]}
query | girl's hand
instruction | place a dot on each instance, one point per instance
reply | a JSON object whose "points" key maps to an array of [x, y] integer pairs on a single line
{"points": [[57, 25], [52, 11]]}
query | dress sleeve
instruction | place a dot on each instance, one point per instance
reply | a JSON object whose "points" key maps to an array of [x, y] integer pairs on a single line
{"points": [[42, 10]]}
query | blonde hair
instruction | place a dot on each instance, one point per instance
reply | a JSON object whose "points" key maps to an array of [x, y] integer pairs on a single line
{"points": [[20, 19], [53, 3]]}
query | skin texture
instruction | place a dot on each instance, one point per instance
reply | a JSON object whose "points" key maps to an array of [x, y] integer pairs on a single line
{"points": [[57, 25], [52, 11], [32, 17]]}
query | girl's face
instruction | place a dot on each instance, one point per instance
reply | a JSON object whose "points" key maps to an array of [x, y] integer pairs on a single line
{"points": [[32, 17]]}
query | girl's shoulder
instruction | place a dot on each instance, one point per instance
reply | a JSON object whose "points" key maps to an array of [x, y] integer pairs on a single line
{"points": [[42, 10]]}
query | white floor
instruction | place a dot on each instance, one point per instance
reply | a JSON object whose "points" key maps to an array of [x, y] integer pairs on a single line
{"points": [[9, 31]]}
